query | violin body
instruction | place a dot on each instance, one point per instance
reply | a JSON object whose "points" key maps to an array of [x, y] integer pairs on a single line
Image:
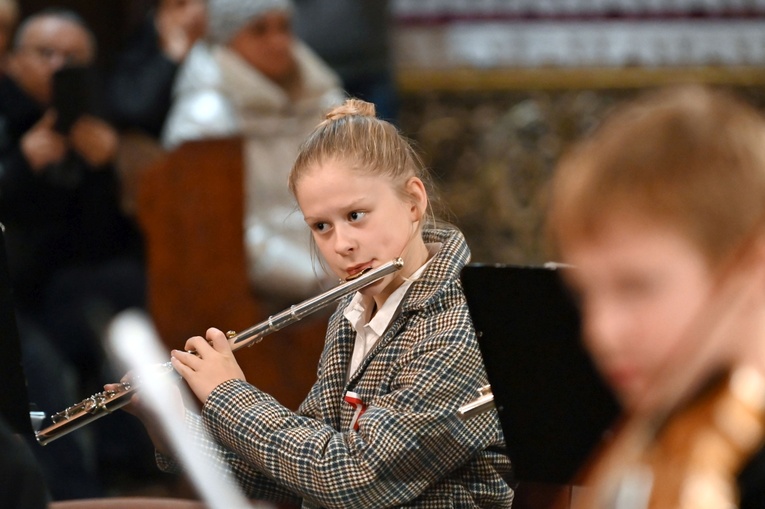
{"points": [[687, 459]]}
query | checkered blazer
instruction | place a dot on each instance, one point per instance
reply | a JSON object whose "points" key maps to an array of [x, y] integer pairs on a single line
{"points": [[410, 449]]}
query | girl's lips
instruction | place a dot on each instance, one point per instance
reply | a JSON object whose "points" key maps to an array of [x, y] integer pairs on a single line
{"points": [[357, 268]]}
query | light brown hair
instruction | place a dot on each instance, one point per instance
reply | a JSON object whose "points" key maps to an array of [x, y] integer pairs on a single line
{"points": [[690, 157], [352, 133]]}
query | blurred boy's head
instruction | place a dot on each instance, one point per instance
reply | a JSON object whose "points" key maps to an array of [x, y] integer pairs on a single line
{"points": [[662, 215]]}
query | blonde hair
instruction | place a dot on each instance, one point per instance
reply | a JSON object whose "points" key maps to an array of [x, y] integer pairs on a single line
{"points": [[690, 157], [352, 133]]}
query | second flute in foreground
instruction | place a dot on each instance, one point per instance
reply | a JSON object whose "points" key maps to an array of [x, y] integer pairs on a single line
{"points": [[103, 403]]}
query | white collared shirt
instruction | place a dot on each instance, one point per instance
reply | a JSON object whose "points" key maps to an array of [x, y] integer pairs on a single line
{"points": [[359, 310]]}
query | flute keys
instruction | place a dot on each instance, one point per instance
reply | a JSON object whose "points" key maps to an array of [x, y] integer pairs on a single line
{"points": [[86, 405]]}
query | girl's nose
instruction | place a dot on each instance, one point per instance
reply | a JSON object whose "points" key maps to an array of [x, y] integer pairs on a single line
{"points": [[344, 242]]}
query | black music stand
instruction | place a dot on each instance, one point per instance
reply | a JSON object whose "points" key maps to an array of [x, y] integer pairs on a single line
{"points": [[14, 400], [553, 406]]}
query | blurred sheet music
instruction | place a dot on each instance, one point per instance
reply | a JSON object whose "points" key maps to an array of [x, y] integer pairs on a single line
{"points": [[133, 341]]}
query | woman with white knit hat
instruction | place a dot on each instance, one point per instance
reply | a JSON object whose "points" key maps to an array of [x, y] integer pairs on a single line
{"points": [[252, 78]]}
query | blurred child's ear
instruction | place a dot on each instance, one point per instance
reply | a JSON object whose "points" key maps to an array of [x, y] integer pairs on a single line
{"points": [[415, 189]]}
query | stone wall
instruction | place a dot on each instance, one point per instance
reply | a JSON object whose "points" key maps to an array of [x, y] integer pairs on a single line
{"points": [[492, 154]]}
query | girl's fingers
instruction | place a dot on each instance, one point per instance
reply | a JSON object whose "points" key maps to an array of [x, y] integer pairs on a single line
{"points": [[187, 360]]}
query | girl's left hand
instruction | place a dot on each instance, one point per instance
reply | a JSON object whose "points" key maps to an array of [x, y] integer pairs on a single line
{"points": [[213, 363]]}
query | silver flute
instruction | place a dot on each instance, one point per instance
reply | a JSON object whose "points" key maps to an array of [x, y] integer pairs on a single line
{"points": [[483, 403], [106, 402]]}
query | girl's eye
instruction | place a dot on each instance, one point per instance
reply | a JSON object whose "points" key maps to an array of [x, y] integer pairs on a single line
{"points": [[356, 216], [320, 227]]}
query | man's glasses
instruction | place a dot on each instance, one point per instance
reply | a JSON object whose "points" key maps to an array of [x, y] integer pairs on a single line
{"points": [[51, 55]]}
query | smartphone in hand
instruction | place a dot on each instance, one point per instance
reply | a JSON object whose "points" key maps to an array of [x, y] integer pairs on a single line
{"points": [[76, 92]]}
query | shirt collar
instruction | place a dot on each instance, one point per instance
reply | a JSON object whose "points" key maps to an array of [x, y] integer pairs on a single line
{"points": [[360, 308]]}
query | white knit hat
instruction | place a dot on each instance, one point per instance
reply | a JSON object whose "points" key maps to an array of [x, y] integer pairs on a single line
{"points": [[226, 17]]}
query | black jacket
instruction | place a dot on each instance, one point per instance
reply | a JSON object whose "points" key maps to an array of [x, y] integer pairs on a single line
{"points": [[140, 88], [66, 215]]}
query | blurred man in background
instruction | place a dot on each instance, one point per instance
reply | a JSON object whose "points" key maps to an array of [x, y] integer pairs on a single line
{"points": [[74, 258]]}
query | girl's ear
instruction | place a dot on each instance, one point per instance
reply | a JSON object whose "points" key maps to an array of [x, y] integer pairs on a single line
{"points": [[418, 196]]}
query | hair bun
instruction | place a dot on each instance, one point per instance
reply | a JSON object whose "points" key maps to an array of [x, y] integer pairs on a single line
{"points": [[352, 107]]}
